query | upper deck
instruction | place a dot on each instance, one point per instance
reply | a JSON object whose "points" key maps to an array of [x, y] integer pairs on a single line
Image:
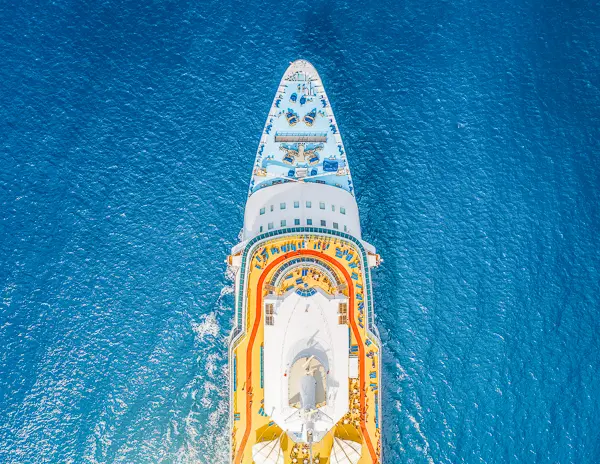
{"points": [[301, 141], [301, 175], [305, 301]]}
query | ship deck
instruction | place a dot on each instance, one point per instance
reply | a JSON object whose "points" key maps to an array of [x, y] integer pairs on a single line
{"points": [[301, 141], [251, 424]]}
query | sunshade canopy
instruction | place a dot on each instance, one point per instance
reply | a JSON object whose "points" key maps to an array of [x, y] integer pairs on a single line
{"points": [[345, 452], [268, 452]]}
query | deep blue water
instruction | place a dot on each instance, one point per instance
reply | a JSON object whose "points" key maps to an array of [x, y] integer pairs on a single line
{"points": [[128, 133]]}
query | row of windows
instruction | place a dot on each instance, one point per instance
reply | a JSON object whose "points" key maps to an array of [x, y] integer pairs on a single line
{"points": [[297, 205], [309, 222], [270, 315], [343, 313]]}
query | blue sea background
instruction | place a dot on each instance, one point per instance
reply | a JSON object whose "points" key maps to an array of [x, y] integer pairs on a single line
{"points": [[128, 134]]}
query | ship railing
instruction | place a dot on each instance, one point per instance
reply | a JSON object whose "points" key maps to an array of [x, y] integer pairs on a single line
{"points": [[300, 136]]}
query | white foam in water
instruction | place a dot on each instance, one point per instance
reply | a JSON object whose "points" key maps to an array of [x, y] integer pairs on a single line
{"points": [[227, 290], [424, 449], [417, 426], [403, 375], [216, 441], [203, 437], [207, 326], [212, 364]]}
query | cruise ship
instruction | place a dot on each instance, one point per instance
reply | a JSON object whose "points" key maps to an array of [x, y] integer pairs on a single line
{"points": [[304, 352]]}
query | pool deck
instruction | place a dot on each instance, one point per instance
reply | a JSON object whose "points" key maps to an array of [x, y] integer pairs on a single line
{"points": [[301, 140], [251, 423]]}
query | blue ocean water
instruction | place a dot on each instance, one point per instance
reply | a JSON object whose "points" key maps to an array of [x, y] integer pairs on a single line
{"points": [[128, 133]]}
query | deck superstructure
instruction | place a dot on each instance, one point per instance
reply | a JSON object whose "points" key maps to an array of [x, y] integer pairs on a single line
{"points": [[304, 351]]}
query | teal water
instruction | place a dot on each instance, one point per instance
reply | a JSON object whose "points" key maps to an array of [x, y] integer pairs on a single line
{"points": [[128, 133]]}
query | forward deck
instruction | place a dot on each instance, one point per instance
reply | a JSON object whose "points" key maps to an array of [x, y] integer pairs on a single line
{"points": [[301, 141], [305, 263]]}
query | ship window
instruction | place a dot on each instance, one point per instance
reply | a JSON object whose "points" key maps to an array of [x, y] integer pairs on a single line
{"points": [[272, 207], [345, 229], [281, 205], [309, 222], [270, 225], [262, 211], [322, 205], [270, 314], [296, 222], [283, 223], [335, 225], [343, 210], [309, 204], [323, 223], [332, 207], [261, 228], [342, 313], [296, 204]]}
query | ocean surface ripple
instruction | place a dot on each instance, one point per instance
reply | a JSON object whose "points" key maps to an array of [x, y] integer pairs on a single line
{"points": [[129, 131]]}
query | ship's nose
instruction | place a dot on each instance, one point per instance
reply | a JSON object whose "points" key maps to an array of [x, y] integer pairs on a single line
{"points": [[302, 65]]}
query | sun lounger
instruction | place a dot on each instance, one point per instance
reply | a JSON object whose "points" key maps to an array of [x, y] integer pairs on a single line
{"points": [[309, 118], [292, 118], [330, 165]]}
